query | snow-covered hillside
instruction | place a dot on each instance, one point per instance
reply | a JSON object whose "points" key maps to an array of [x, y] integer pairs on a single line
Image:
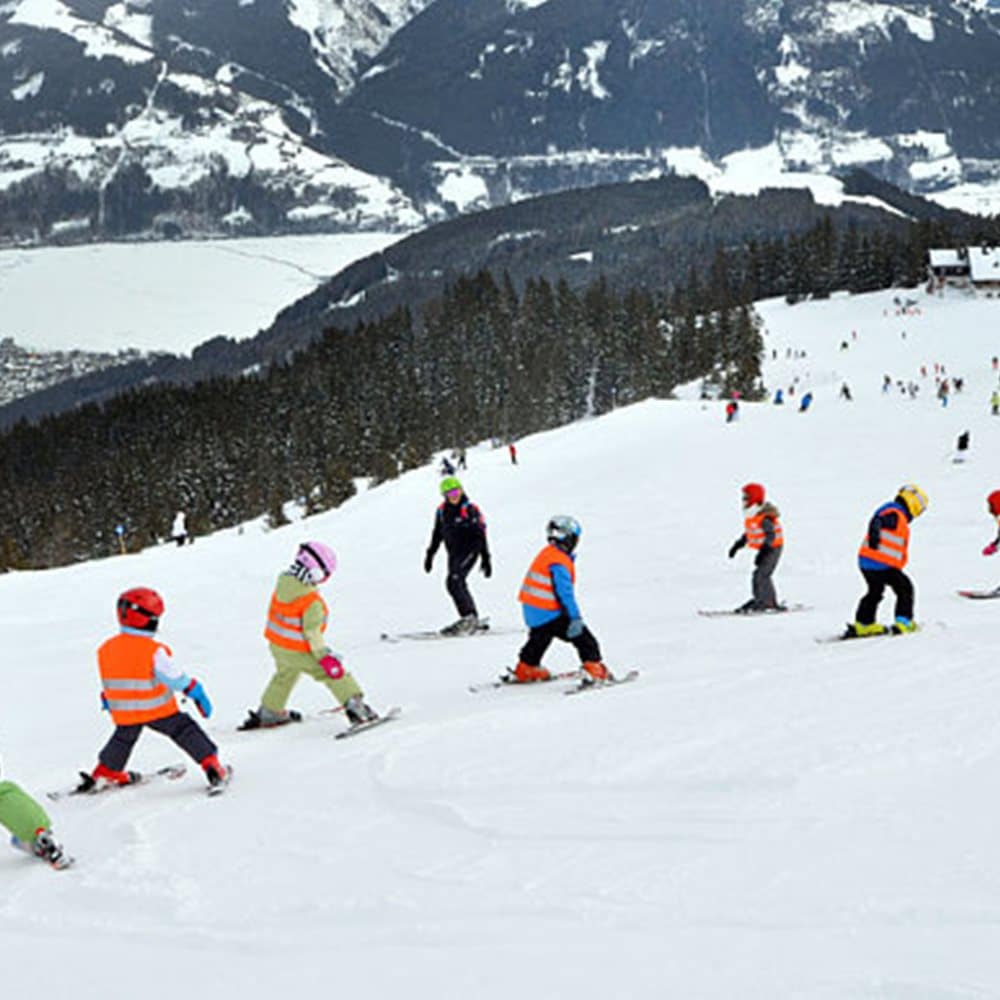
{"points": [[758, 816], [164, 296]]}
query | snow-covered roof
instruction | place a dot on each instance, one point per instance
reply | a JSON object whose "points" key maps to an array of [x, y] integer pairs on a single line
{"points": [[984, 263], [947, 258]]}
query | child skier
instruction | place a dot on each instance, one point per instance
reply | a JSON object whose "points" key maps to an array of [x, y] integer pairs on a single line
{"points": [[459, 523], [138, 681], [993, 506], [296, 620], [550, 609], [883, 554], [762, 532], [29, 826]]}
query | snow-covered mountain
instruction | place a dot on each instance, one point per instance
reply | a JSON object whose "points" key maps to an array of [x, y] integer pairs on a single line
{"points": [[145, 116], [759, 816]]}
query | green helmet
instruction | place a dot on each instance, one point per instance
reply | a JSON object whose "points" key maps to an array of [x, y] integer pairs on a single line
{"points": [[448, 484]]}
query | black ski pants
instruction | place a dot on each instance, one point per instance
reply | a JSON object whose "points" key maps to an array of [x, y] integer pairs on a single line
{"points": [[459, 567], [540, 638], [181, 728], [878, 580], [765, 563]]}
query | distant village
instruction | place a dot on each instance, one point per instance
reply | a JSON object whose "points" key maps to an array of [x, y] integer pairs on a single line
{"points": [[23, 370]]}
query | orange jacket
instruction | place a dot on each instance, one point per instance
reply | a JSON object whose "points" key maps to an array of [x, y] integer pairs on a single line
{"points": [[284, 621], [537, 589], [133, 692], [753, 528], [893, 546]]}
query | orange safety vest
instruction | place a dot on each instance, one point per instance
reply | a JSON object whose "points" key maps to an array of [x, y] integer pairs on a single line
{"points": [[133, 692], [753, 528], [284, 621], [537, 589], [893, 546]]}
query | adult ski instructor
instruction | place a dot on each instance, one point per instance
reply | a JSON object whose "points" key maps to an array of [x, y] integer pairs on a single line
{"points": [[459, 523]]}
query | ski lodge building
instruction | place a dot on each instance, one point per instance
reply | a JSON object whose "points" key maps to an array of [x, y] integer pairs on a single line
{"points": [[977, 268]]}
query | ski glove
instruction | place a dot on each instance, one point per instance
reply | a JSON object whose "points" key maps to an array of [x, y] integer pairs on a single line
{"points": [[105, 707], [196, 693], [575, 628], [990, 549], [332, 666], [736, 546], [486, 565], [428, 561]]}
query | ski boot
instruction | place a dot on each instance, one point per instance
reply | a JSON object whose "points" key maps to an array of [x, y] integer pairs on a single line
{"points": [[465, 625], [358, 712], [595, 673], [858, 630], [264, 718], [901, 625], [751, 607], [525, 673], [102, 775], [48, 849], [218, 775]]}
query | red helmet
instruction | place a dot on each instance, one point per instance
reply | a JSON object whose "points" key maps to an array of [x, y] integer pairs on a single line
{"points": [[753, 495], [140, 608], [993, 502]]}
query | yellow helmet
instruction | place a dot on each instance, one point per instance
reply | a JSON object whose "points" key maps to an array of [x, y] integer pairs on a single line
{"points": [[914, 498]]}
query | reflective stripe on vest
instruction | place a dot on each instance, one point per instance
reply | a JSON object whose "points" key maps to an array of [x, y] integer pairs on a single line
{"points": [[893, 546], [129, 683], [284, 621], [753, 528], [537, 590]]}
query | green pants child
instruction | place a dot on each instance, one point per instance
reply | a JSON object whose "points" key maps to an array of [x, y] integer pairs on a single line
{"points": [[29, 825]]}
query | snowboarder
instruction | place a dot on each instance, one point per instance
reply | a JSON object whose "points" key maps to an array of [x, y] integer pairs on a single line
{"points": [[548, 603], [29, 826], [459, 523], [883, 554], [762, 532], [138, 681], [296, 620]]}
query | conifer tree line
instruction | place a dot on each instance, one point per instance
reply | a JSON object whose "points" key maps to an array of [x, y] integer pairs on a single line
{"points": [[485, 360]]}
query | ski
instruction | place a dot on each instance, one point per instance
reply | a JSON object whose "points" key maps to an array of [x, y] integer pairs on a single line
{"points": [[626, 678], [61, 863], [980, 595], [501, 683], [429, 634], [360, 727], [736, 613], [171, 773], [252, 724]]}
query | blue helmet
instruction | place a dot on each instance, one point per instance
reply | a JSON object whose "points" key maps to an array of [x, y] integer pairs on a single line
{"points": [[564, 531]]}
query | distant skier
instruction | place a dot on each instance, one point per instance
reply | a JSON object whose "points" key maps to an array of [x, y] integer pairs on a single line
{"points": [[845, 392], [460, 524], [763, 533], [548, 603], [805, 402], [881, 558], [29, 826], [178, 531], [732, 411], [779, 397], [962, 447], [995, 403], [297, 617], [138, 681], [447, 469], [512, 450]]}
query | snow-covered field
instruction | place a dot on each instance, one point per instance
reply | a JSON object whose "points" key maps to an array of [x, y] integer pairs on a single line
{"points": [[164, 296], [759, 816]]}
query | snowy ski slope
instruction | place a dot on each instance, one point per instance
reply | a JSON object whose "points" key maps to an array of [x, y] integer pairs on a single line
{"points": [[758, 816]]}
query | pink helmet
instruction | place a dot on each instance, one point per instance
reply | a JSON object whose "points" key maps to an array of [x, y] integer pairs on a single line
{"points": [[319, 558]]}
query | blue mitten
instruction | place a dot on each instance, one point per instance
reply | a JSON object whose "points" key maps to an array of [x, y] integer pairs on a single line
{"points": [[196, 693], [575, 628]]}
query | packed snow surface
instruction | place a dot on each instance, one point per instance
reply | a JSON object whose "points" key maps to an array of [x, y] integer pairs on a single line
{"points": [[164, 296], [758, 816]]}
